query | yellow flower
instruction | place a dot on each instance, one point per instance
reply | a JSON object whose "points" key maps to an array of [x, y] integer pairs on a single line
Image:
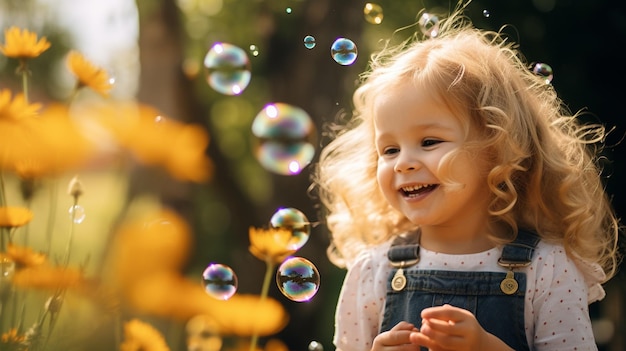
{"points": [[155, 140], [22, 44], [141, 336], [15, 109], [170, 295], [270, 244], [14, 216], [12, 340], [47, 277], [25, 256], [46, 145], [89, 74], [17, 127]]}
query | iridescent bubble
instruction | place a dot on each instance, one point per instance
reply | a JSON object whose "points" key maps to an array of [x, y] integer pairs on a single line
{"points": [[296, 222], [309, 42], [429, 25], [228, 69], [77, 214], [373, 13], [285, 138], [298, 279], [315, 346], [486, 13], [220, 281], [344, 51], [288, 10], [543, 70]]}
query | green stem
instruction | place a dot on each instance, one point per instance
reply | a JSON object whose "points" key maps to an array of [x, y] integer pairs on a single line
{"points": [[269, 270], [24, 71], [70, 239], [51, 215]]}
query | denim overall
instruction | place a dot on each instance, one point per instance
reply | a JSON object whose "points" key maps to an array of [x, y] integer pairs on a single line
{"points": [[495, 298]]}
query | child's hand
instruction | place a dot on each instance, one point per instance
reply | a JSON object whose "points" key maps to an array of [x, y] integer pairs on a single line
{"points": [[396, 339], [447, 328]]}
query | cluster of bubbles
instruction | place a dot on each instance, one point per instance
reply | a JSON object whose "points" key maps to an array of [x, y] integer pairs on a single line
{"points": [[297, 278]]}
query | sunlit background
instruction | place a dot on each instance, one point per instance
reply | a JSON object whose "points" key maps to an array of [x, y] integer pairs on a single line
{"points": [[263, 78]]}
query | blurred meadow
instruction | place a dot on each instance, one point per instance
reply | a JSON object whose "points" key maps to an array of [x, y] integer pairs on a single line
{"points": [[155, 160]]}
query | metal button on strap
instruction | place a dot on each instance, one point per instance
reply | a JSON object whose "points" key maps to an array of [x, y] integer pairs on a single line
{"points": [[509, 285], [399, 280]]}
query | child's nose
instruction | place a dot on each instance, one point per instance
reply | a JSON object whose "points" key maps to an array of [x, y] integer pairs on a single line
{"points": [[406, 163]]}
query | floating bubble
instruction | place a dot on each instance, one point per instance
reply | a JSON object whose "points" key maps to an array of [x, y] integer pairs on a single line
{"points": [[288, 10], [486, 13], [298, 279], [7, 267], [309, 42], [254, 50], [228, 69], [344, 51], [296, 222], [315, 346], [543, 70], [373, 13], [220, 281], [285, 137], [429, 25], [77, 214]]}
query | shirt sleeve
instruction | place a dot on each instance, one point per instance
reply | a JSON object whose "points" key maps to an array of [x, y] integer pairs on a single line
{"points": [[361, 303], [560, 304]]}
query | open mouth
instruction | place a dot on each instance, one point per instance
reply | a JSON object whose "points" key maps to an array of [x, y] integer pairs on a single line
{"points": [[417, 190]]}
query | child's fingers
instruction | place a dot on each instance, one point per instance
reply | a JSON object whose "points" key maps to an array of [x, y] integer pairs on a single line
{"points": [[438, 336], [446, 313]]}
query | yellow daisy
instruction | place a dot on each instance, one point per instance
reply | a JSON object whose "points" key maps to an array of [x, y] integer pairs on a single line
{"points": [[270, 244], [25, 256], [22, 44], [142, 130], [48, 277], [15, 109], [141, 336], [89, 74], [14, 216], [17, 127]]}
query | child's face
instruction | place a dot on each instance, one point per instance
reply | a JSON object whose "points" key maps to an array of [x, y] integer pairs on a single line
{"points": [[413, 133]]}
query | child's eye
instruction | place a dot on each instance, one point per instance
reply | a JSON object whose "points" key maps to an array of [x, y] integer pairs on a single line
{"points": [[430, 142], [390, 150]]}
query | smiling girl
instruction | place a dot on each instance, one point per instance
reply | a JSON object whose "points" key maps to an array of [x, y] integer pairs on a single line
{"points": [[466, 203]]}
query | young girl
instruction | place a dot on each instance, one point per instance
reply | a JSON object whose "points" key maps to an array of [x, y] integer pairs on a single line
{"points": [[466, 203]]}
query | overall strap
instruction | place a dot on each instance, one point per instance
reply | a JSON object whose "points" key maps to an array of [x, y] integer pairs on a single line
{"points": [[519, 252], [404, 250]]}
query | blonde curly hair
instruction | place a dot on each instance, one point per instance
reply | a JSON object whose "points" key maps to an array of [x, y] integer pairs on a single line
{"points": [[545, 173]]}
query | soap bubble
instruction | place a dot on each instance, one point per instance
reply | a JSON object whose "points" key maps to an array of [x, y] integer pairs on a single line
{"points": [[285, 137], [298, 279], [344, 51], [543, 70], [315, 346], [429, 25], [296, 222], [220, 281], [228, 69], [77, 213], [373, 13], [309, 42]]}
